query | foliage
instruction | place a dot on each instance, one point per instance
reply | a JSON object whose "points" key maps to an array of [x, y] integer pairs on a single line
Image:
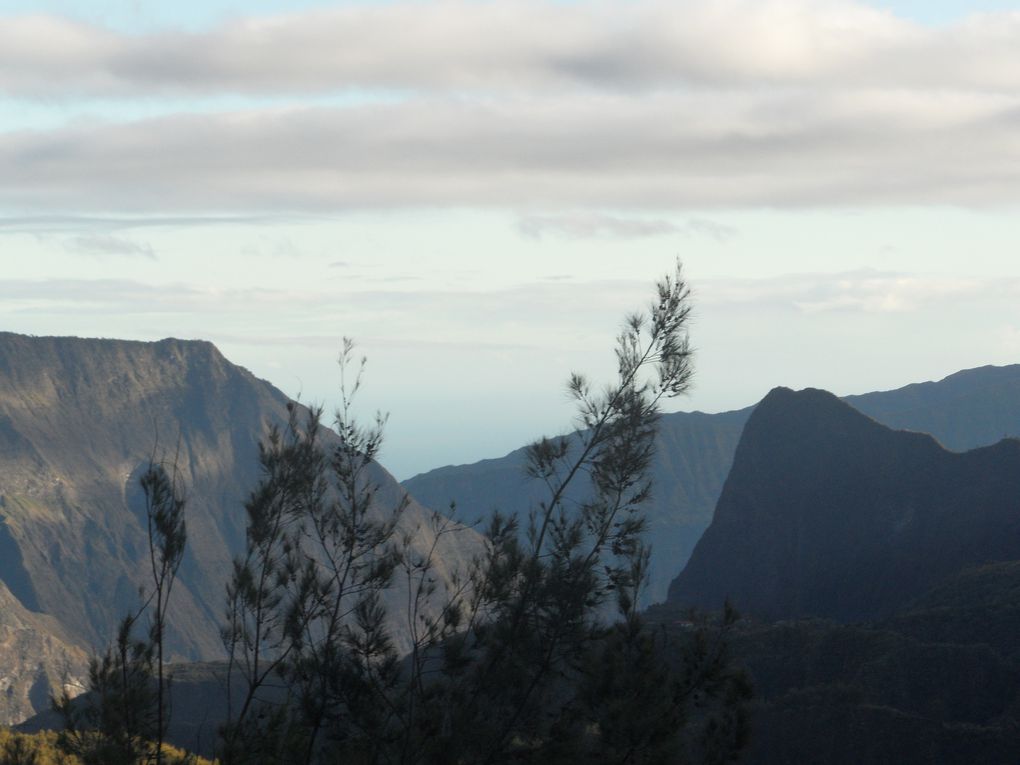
{"points": [[122, 717], [115, 722], [43, 749], [304, 598], [520, 661], [167, 532]]}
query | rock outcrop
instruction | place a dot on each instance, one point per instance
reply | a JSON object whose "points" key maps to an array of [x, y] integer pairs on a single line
{"points": [[827, 513], [79, 421]]}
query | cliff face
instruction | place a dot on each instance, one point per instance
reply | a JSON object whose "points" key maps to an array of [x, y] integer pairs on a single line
{"points": [[828, 513], [968, 409], [694, 452], [79, 420], [36, 660]]}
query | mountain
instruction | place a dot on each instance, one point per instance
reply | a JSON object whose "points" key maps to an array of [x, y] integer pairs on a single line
{"points": [[79, 421], [828, 513], [880, 573], [972, 408], [694, 452], [37, 657], [693, 455]]}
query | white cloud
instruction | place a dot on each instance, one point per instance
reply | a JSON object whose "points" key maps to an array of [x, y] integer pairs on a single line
{"points": [[582, 151], [529, 104], [100, 245], [1009, 338], [44, 225], [516, 44], [586, 225], [865, 291], [594, 225]]}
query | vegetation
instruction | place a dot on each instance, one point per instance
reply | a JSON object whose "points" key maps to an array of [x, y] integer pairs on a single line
{"points": [[123, 718], [44, 748], [834, 693], [536, 653], [519, 661]]}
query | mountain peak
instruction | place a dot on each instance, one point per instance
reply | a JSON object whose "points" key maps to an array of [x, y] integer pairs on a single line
{"points": [[828, 513]]}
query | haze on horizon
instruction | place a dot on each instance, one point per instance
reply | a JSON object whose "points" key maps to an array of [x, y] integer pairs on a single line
{"points": [[477, 192]]}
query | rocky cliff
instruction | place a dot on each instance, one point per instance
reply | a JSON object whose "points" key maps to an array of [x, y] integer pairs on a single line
{"points": [[828, 513], [79, 420], [694, 452]]}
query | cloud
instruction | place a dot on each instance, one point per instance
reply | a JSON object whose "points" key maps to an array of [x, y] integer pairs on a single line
{"points": [[282, 247], [529, 104], [461, 45], [387, 311], [64, 223], [712, 229], [582, 151], [864, 291], [589, 225], [100, 245]]}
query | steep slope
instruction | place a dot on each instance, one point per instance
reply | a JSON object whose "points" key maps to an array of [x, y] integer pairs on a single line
{"points": [[968, 409], [36, 659], [828, 513], [693, 455], [79, 420], [972, 408]]}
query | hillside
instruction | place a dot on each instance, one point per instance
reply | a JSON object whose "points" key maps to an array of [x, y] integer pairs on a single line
{"points": [[693, 455], [694, 452], [79, 420], [968, 409], [828, 513], [880, 572]]}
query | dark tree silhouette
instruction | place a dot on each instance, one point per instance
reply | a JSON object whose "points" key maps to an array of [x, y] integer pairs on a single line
{"points": [[122, 718], [538, 654]]}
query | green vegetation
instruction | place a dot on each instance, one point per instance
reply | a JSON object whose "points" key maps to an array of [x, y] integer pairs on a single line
{"points": [[44, 749], [536, 652], [123, 718], [519, 660]]}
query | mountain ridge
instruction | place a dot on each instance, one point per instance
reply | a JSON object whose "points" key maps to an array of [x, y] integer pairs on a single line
{"points": [[80, 420], [695, 451], [828, 513]]}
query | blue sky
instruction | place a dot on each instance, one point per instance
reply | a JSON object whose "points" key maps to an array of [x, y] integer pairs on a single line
{"points": [[133, 15], [478, 192], [142, 15]]}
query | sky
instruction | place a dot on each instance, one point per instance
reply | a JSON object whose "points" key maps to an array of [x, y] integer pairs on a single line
{"points": [[479, 192]]}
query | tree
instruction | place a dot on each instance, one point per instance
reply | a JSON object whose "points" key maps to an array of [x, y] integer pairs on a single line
{"points": [[167, 533], [114, 722], [17, 750], [123, 716], [522, 661], [304, 598]]}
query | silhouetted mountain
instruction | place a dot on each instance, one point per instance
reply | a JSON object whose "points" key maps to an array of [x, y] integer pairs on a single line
{"points": [[972, 408], [828, 513], [693, 455], [79, 420], [695, 451]]}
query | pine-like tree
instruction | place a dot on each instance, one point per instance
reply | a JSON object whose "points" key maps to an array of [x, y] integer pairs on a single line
{"points": [[122, 717], [522, 661]]}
